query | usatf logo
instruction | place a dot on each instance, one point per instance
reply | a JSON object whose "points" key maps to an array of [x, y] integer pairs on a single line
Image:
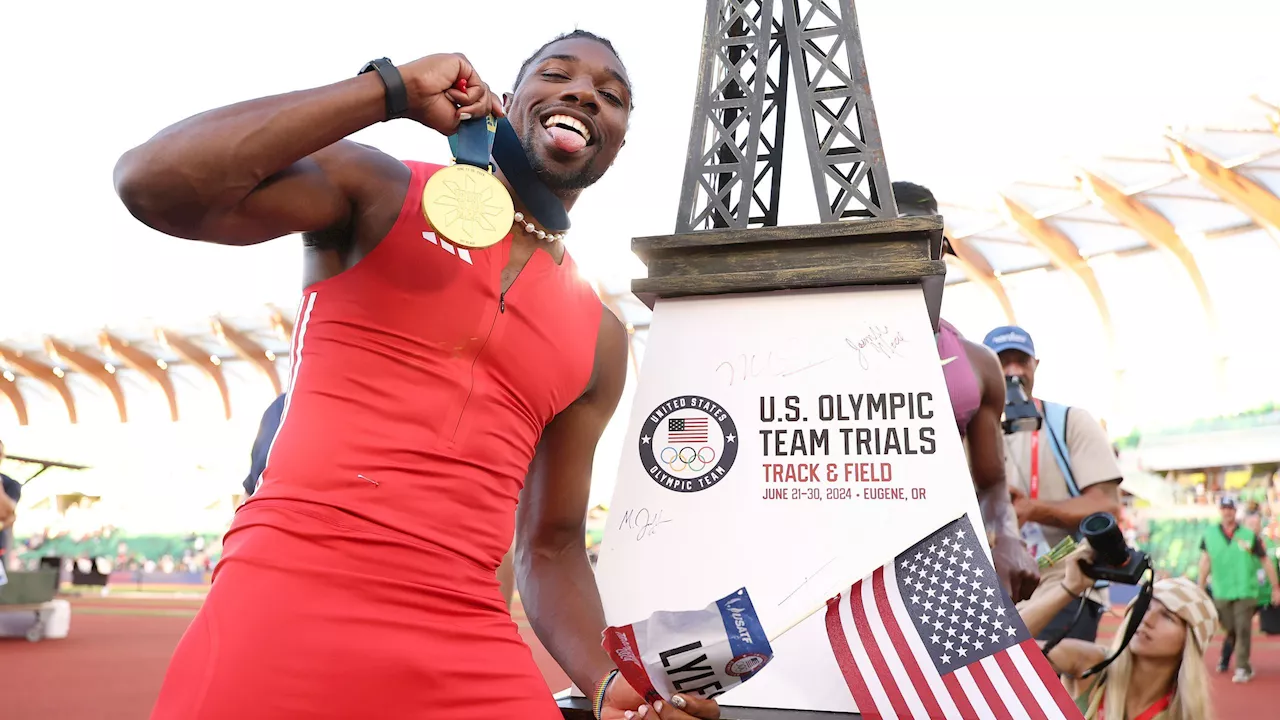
{"points": [[688, 444]]}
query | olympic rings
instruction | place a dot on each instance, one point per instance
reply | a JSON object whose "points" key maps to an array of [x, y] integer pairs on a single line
{"points": [[687, 458]]}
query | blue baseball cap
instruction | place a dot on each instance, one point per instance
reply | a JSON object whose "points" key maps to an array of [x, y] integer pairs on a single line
{"points": [[1010, 337]]}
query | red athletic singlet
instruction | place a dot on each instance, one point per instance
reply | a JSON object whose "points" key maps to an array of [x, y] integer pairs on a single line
{"points": [[359, 580]]}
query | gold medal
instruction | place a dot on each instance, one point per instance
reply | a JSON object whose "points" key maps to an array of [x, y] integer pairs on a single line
{"points": [[468, 206]]}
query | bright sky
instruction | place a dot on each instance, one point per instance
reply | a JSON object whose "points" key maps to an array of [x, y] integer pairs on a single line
{"points": [[970, 96]]}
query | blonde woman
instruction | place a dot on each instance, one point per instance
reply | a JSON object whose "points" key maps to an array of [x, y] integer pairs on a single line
{"points": [[1161, 674]]}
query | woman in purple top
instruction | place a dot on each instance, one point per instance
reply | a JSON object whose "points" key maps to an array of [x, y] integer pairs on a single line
{"points": [[975, 383]]}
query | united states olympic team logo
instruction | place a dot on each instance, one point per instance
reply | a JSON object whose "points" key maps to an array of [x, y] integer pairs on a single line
{"points": [[744, 664], [688, 443]]}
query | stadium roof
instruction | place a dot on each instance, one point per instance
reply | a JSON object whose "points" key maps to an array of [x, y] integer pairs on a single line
{"points": [[1189, 187], [208, 367]]}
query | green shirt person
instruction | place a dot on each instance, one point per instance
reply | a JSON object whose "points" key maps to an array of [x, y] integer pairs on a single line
{"points": [[1230, 554]]}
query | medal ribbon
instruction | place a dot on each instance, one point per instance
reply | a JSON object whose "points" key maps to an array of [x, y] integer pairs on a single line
{"points": [[472, 144], [478, 139], [537, 198]]}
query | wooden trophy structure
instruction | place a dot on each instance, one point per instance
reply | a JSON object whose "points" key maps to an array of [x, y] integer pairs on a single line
{"points": [[728, 244], [727, 239]]}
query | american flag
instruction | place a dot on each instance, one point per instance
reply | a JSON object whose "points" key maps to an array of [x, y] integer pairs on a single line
{"points": [[932, 635], [688, 430]]}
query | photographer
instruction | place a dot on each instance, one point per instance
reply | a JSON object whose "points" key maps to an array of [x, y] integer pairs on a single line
{"points": [[1058, 475], [1159, 675]]}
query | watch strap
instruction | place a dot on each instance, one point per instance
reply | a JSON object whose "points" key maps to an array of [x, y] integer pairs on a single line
{"points": [[397, 96]]}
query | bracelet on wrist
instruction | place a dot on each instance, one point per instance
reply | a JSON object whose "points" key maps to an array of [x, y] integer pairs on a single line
{"points": [[597, 703]]}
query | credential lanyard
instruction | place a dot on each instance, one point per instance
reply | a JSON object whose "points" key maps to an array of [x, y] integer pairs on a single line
{"points": [[1034, 490], [1156, 708], [1035, 465]]}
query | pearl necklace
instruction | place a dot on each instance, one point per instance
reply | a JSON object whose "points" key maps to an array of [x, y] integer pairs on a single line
{"points": [[532, 229]]}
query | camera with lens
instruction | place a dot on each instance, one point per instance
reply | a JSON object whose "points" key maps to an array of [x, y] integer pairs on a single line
{"points": [[1113, 559], [1020, 414]]}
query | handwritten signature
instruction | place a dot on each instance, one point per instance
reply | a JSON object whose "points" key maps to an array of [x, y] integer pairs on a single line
{"points": [[747, 367], [645, 522], [878, 339]]}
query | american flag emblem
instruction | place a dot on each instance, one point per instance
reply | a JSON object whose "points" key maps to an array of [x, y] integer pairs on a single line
{"points": [[687, 430], [931, 635]]}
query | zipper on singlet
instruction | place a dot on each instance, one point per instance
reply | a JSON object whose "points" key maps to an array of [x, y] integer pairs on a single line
{"points": [[471, 376], [502, 309]]}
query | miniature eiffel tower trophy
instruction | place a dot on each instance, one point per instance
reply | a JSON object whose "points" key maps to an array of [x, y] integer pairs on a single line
{"points": [[791, 430]]}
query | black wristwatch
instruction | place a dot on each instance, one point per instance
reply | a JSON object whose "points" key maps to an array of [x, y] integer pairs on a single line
{"points": [[397, 96]]}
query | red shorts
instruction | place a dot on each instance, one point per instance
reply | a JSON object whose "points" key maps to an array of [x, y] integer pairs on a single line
{"points": [[317, 614]]}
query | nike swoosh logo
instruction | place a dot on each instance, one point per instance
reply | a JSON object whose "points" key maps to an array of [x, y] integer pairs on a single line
{"points": [[949, 360]]}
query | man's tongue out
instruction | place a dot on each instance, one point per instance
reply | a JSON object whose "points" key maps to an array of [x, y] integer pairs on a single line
{"points": [[565, 139]]}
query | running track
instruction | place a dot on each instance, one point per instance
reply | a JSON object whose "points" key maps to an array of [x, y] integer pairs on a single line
{"points": [[111, 665]]}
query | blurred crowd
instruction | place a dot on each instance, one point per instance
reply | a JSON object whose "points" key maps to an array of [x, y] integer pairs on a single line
{"points": [[111, 550]]}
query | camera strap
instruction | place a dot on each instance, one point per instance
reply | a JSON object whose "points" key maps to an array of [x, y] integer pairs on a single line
{"points": [[1138, 612], [1052, 643]]}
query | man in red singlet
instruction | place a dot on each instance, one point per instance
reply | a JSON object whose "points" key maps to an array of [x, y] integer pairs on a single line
{"points": [[432, 387], [976, 386]]}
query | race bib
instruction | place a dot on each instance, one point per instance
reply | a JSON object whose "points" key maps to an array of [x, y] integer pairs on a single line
{"points": [[701, 652], [1033, 536]]}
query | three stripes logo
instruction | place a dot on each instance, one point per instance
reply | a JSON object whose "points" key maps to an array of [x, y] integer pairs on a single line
{"points": [[460, 252]]}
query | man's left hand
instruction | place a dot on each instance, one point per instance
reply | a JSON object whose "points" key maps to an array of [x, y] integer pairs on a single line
{"points": [[1022, 505], [622, 702], [1275, 596], [1017, 571]]}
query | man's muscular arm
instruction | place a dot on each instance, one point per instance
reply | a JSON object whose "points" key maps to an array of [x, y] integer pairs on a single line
{"points": [[1067, 514], [1205, 567], [986, 445], [265, 168], [557, 586], [1013, 564], [1093, 462]]}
